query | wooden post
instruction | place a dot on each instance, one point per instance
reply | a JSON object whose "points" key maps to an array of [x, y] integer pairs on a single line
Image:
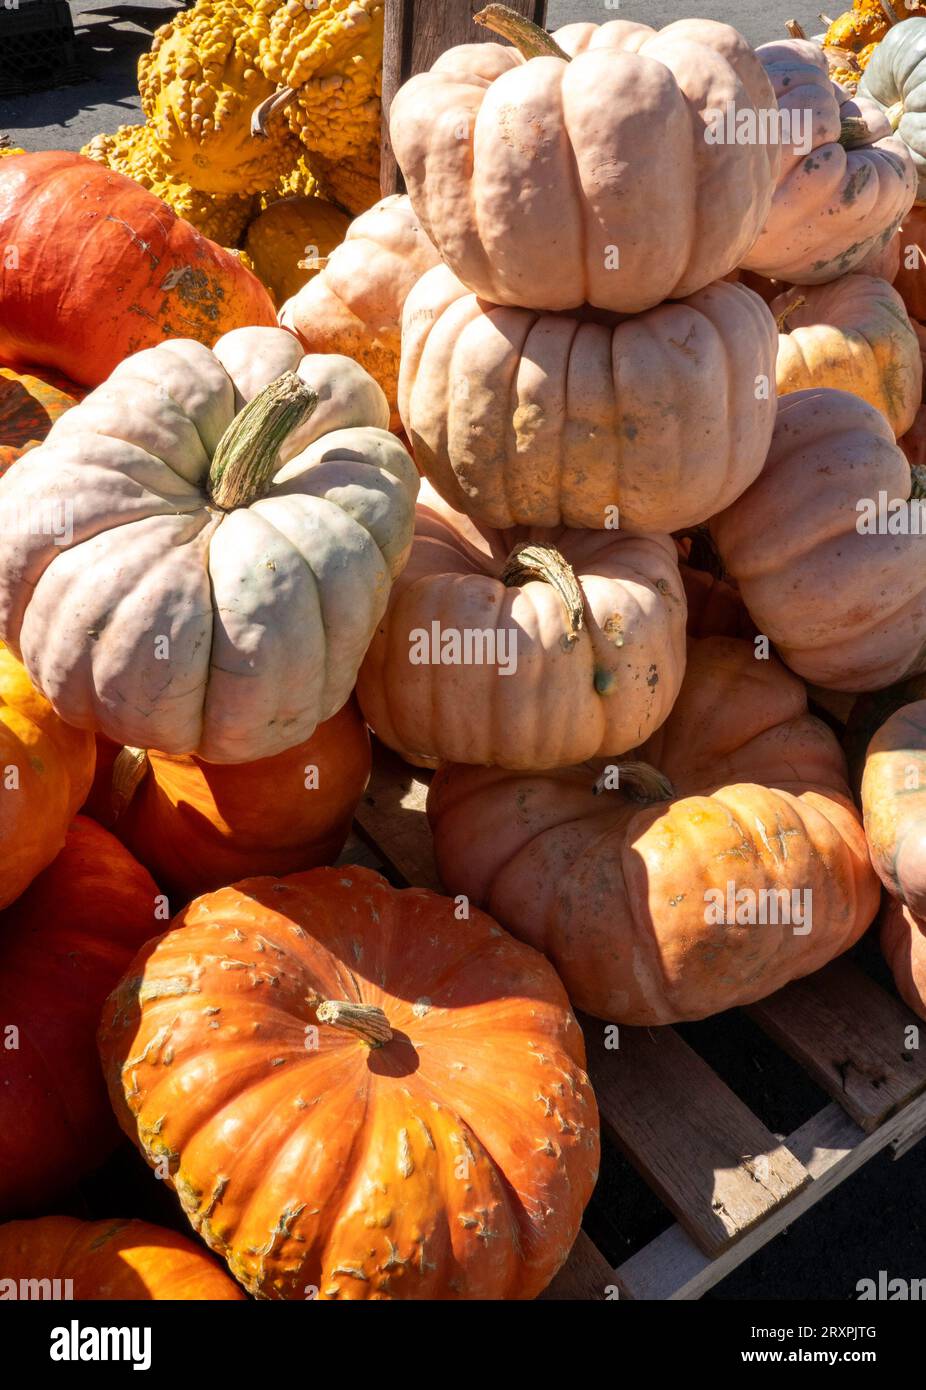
{"points": [[416, 33]]}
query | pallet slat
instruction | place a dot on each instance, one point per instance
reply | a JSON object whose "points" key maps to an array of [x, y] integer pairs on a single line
{"points": [[585, 1276], [848, 1034], [704, 1152], [830, 1145]]}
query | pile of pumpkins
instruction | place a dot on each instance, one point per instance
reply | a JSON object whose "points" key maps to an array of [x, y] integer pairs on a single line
{"points": [[552, 478]]}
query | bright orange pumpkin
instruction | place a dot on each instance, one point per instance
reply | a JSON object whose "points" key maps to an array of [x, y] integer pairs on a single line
{"points": [[29, 406], [357, 1090], [46, 769], [63, 946], [111, 1260], [628, 892], [103, 268], [198, 826]]}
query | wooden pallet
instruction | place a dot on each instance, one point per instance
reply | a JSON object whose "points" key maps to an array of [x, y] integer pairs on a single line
{"points": [[730, 1184]]}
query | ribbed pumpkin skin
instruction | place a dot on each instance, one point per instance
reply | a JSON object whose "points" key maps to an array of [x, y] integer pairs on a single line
{"points": [[290, 231], [903, 941], [63, 946], [910, 280], [527, 419], [562, 699], [846, 610], [853, 335], [112, 1260], [833, 205], [614, 893], [105, 269], [893, 77], [29, 406], [198, 826], [894, 804], [354, 305], [453, 1162], [53, 773], [529, 176]]}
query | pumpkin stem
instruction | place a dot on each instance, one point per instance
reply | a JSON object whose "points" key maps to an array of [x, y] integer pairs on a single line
{"points": [[782, 318], [853, 132], [640, 781], [890, 13], [528, 38], [260, 116], [129, 771], [895, 114], [247, 455], [917, 482], [797, 31], [533, 561], [366, 1020]]}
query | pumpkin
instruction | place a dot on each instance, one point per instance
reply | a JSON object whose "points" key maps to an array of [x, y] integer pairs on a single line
{"points": [[133, 151], [327, 59], [46, 769], [354, 305], [715, 608], [894, 804], [864, 24], [629, 893], [910, 280], [354, 184], [527, 419], [63, 946], [846, 183], [29, 406], [140, 275], [546, 174], [832, 575], [198, 826], [893, 81], [852, 334], [524, 648], [199, 85], [225, 571], [357, 1090], [112, 1260], [903, 941], [288, 233]]}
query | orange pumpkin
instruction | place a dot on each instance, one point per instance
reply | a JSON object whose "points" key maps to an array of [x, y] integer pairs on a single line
{"points": [[63, 946], [648, 898], [199, 825], [46, 769], [910, 280], [29, 406], [103, 268], [894, 804], [365, 1092], [903, 941], [111, 1260]]}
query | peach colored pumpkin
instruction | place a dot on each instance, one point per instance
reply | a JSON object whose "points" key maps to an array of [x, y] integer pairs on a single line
{"points": [[618, 889], [846, 609], [584, 174], [852, 334], [835, 203], [238, 517], [354, 305], [596, 626], [903, 942], [894, 804], [526, 419]]}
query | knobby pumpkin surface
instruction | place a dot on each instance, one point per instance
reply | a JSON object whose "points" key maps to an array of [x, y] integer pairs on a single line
{"points": [[527, 419], [63, 946], [356, 1091], [112, 1260], [584, 174], [577, 643], [614, 887], [238, 518]]}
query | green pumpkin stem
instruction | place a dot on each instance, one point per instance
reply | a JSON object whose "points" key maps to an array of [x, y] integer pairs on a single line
{"points": [[528, 38], [640, 781], [917, 482], [368, 1021], [247, 455], [533, 561]]}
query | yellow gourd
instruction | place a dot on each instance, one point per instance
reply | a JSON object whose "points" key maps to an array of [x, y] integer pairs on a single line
{"points": [[289, 232]]}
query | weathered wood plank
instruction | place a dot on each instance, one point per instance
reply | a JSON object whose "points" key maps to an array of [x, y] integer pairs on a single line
{"points": [[416, 33], [585, 1276], [706, 1155], [848, 1033]]}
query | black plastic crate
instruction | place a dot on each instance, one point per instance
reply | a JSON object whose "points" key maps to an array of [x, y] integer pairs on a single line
{"points": [[38, 47]]}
